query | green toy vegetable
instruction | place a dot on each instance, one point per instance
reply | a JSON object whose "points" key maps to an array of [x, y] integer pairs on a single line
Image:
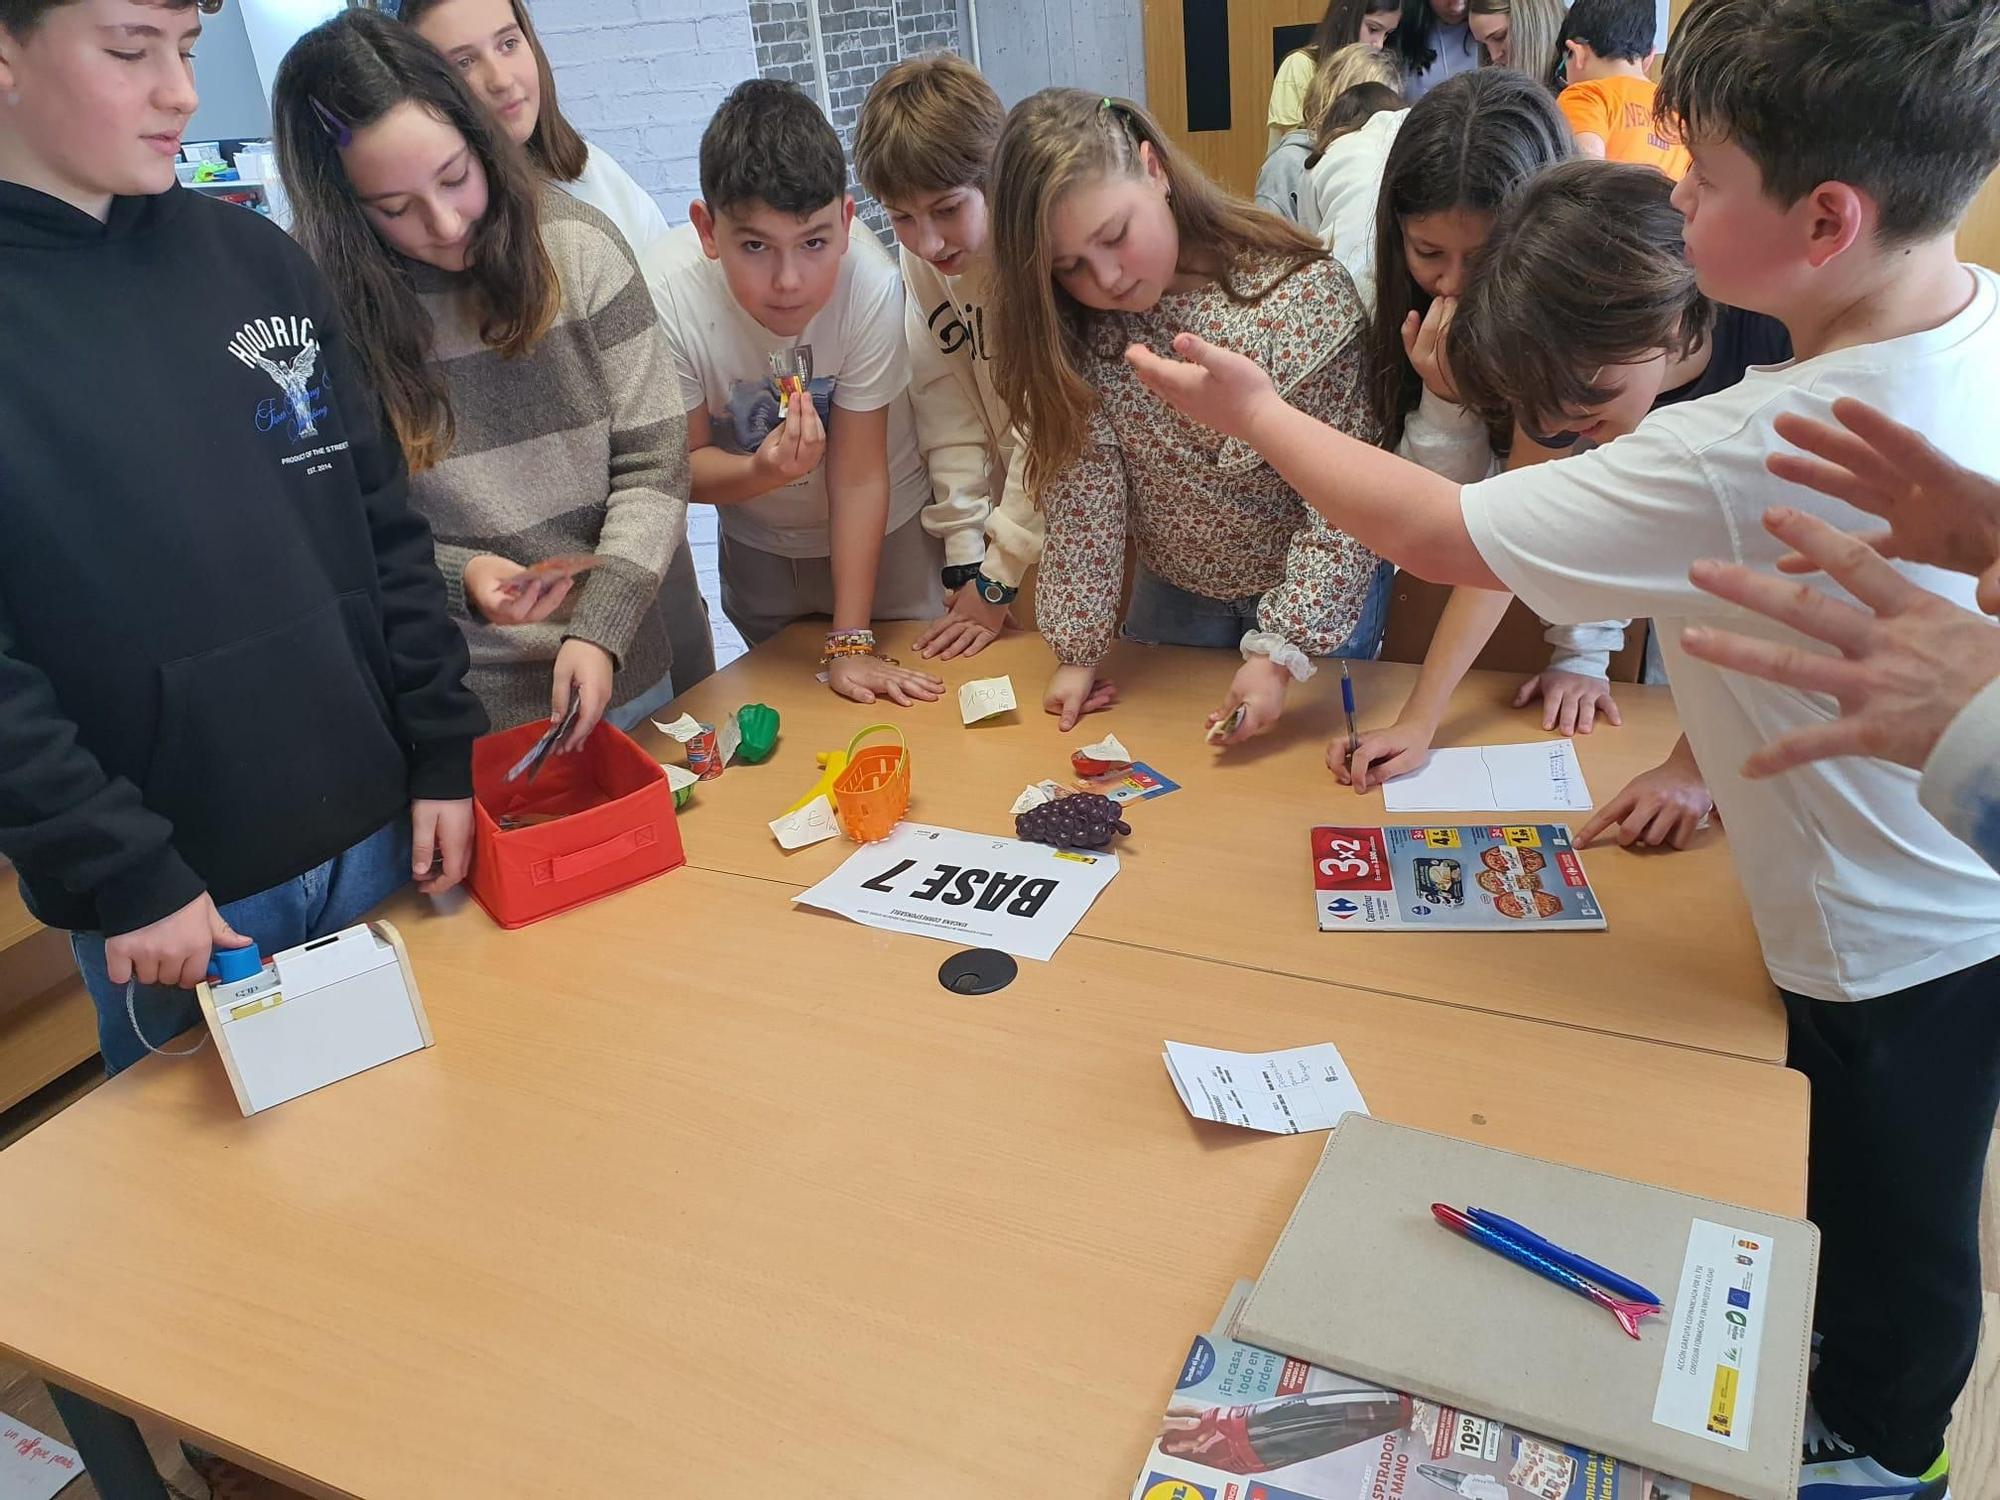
{"points": [[759, 724]]}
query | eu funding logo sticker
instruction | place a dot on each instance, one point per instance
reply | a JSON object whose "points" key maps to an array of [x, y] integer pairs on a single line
{"points": [[1708, 1377]]}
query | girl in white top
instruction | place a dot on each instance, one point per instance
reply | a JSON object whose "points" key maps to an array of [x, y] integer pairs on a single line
{"points": [[1454, 158], [924, 149], [493, 45]]}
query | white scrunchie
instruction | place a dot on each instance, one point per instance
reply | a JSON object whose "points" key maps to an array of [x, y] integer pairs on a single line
{"points": [[1283, 652]]}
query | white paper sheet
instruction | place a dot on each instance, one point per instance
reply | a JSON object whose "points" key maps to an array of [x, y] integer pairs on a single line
{"points": [[1542, 775], [33, 1466], [966, 888], [1284, 1092], [1037, 794], [679, 776], [812, 824], [985, 697], [1111, 749]]}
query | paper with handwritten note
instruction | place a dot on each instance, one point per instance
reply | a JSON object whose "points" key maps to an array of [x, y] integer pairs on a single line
{"points": [[1541, 775], [33, 1466], [812, 824], [1283, 1092], [984, 698]]}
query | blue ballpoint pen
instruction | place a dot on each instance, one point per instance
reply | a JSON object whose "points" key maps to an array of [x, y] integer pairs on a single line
{"points": [[1628, 1314], [1347, 706], [1611, 1281]]}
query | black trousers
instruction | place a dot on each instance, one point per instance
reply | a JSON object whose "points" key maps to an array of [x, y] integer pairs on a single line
{"points": [[1904, 1089]]}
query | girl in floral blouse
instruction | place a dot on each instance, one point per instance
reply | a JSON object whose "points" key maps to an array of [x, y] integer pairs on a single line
{"points": [[1106, 236]]}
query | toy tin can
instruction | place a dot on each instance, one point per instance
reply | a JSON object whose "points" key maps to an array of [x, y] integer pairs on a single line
{"points": [[704, 754]]}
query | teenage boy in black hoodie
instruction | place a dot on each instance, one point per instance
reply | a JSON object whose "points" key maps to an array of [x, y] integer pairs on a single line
{"points": [[231, 701]]}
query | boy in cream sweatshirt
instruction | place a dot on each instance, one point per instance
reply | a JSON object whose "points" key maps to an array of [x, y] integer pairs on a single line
{"points": [[924, 148]]}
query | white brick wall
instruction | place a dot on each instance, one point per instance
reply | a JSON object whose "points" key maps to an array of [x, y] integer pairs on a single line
{"points": [[640, 79]]}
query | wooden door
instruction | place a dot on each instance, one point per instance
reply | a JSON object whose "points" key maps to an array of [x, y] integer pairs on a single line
{"points": [[1209, 66]]}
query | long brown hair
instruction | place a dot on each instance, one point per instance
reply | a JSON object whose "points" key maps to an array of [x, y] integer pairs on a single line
{"points": [[1467, 144], [342, 76], [554, 146], [1058, 140], [1534, 36]]}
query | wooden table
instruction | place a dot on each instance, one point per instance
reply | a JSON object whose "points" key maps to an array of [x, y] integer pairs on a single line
{"points": [[697, 1194], [1220, 869]]}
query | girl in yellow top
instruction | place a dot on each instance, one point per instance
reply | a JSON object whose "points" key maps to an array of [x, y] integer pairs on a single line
{"points": [[1370, 22]]}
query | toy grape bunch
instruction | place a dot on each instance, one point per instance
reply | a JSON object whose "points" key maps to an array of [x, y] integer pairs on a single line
{"points": [[1084, 821]]}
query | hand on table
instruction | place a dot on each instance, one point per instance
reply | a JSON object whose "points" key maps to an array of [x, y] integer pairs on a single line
{"points": [[583, 668], [1939, 512], [1571, 702], [440, 844], [485, 578], [1259, 685], [865, 678], [971, 625], [1216, 387], [1076, 691], [1665, 805], [1424, 343], [794, 448], [173, 951], [1903, 672], [1382, 754]]}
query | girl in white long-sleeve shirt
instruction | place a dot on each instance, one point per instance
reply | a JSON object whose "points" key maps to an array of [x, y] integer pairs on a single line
{"points": [[1447, 166], [924, 148]]}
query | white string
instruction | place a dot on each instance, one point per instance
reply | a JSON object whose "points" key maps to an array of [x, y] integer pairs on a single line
{"points": [[132, 1015]]}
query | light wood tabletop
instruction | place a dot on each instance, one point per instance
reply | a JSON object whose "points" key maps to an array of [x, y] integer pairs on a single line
{"points": [[1221, 870], [701, 1194]]}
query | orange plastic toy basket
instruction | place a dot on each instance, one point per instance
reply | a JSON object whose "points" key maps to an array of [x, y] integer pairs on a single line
{"points": [[873, 793]]}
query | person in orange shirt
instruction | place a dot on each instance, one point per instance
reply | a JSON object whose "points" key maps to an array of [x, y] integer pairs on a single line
{"points": [[1607, 47]]}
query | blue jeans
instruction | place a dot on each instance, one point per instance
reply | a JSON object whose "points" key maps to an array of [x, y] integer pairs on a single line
{"points": [[659, 695], [325, 899], [1163, 615]]}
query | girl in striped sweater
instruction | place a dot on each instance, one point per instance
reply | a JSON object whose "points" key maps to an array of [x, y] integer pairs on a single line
{"points": [[524, 370]]}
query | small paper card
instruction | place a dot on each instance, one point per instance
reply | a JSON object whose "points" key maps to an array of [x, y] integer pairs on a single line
{"points": [[812, 824], [683, 729], [33, 1466], [1037, 794], [1284, 1093], [985, 697], [1138, 782], [1494, 778]]}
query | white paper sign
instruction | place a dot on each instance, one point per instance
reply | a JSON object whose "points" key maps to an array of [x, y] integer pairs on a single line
{"points": [[1542, 776], [812, 824], [679, 776], [966, 888], [33, 1466], [683, 729], [1708, 1377], [1037, 794], [1108, 749], [984, 698], [1298, 1089]]}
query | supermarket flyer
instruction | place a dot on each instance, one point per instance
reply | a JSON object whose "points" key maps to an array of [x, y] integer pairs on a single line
{"points": [[1512, 877], [1246, 1424]]}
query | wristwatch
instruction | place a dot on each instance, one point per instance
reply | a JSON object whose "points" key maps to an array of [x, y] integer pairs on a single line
{"points": [[994, 593], [958, 575]]}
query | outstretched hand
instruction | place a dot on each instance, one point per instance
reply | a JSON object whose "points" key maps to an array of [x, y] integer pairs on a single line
{"points": [[1216, 387], [1905, 666]]}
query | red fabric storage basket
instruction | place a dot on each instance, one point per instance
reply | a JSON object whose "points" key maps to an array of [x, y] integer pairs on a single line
{"points": [[614, 824]]}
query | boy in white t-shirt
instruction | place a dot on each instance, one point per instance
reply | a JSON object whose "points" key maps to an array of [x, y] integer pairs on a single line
{"points": [[1835, 150], [819, 492], [924, 148]]}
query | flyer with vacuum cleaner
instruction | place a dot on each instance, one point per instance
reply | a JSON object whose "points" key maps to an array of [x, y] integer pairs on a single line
{"points": [[1246, 1424], [1514, 877]]}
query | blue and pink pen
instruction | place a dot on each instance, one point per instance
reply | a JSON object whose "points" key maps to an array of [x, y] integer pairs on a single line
{"points": [[1565, 1268]]}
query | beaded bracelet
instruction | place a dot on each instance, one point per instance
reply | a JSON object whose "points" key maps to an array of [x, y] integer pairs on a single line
{"points": [[841, 643]]}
